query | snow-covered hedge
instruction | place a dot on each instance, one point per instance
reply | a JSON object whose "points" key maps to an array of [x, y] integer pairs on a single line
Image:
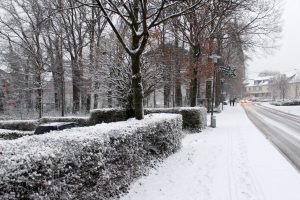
{"points": [[194, 118], [23, 125], [82, 121], [286, 103], [108, 115], [13, 134], [96, 162]]}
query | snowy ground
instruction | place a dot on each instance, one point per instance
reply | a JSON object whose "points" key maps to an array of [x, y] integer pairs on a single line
{"points": [[295, 110], [231, 162]]}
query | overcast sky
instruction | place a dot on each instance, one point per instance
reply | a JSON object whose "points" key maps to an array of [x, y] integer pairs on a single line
{"points": [[287, 58]]}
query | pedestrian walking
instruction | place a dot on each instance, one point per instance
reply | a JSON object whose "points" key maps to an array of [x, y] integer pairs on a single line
{"points": [[230, 102], [233, 101]]}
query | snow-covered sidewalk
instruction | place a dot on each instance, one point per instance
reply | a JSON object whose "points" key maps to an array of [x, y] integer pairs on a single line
{"points": [[231, 162]]}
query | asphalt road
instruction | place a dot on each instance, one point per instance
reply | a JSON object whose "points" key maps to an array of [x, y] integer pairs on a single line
{"points": [[282, 129]]}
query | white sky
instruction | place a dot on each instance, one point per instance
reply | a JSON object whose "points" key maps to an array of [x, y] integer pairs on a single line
{"points": [[286, 58]]}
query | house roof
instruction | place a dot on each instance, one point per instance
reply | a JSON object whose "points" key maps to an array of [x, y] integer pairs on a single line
{"points": [[294, 77], [258, 81]]}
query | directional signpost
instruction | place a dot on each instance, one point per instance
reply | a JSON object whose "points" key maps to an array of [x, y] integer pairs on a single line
{"points": [[227, 70]]}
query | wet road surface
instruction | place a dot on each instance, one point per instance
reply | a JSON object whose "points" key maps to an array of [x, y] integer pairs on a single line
{"points": [[282, 129]]}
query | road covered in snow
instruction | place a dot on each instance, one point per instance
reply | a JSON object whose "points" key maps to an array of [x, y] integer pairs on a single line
{"points": [[281, 128], [234, 161]]}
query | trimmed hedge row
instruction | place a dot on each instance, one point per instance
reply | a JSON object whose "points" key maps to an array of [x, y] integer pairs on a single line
{"points": [[194, 118], [30, 125], [22, 125], [82, 121], [13, 134], [86, 163], [286, 103], [108, 115]]}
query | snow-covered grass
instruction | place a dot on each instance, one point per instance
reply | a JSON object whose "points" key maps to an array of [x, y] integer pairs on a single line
{"points": [[231, 162], [95, 162], [295, 110]]}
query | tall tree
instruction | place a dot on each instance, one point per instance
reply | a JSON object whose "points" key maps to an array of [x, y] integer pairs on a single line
{"points": [[140, 17], [23, 26]]}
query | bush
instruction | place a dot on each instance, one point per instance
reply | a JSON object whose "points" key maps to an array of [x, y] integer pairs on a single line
{"points": [[108, 115], [86, 163], [194, 118], [13, 134], [286, 103], [82, 121], [23, 125]]}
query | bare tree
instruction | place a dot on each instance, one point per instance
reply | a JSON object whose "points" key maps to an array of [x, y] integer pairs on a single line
{"points": [[22, 26], [140, 17], [279, 86]]}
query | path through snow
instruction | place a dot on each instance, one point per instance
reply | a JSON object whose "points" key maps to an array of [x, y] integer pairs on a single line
{"points": [[231, 162]]}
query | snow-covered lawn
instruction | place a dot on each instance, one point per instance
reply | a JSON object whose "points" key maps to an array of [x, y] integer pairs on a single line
{"points": [[231, 162], [295, 110]]}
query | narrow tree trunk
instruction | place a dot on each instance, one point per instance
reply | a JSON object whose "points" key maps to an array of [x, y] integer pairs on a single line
{"points": [[177, 75], [91, 80], [199, 97], [109, 98], [194, 88], [167, 93], [95, 101], [39, 98], [28, 93], [60, 67], [218, 89], [76, 88], [154, 99]]}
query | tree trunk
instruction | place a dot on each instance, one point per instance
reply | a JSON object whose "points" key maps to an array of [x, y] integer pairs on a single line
{"points": [[218, 89], [178, 93], [39, 98], [75, 85], [60, 69], [154, 99], [193, 89], [28, 93], [177, 75], [95, 101], [109, 98], [167, 93], [137, 87]]}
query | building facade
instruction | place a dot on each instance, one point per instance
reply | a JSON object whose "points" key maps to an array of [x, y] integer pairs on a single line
{"points": [[264, 88]]}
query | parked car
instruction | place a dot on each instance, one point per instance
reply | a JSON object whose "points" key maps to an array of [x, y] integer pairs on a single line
{"points": [[45, 128]]}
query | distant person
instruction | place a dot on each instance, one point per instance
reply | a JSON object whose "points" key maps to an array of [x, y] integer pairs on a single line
{"points": [[230, 102], [233, 101]]}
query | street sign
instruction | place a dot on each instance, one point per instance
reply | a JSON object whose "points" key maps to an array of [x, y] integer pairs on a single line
{"points": [[227, 70]]}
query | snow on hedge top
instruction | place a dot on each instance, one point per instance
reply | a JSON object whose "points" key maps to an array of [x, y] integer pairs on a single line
{"points": [[107, 110], [17, 121], [67, 117], [37, 146], [56, 123], [6, 131]]}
